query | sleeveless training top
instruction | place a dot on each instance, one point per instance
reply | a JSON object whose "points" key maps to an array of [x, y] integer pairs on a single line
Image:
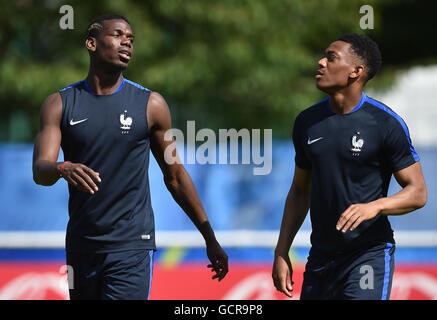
{"points": [[109, 134]]}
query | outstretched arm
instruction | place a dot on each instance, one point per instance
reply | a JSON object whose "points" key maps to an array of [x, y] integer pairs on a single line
{"points": [[179, 182]]}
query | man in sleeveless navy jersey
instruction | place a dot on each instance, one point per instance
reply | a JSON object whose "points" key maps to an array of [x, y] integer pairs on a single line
{"points": [[347, 148], [106, 126]]}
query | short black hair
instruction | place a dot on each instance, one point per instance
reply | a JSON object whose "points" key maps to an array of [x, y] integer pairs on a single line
{"points": [[366, 49], [95, 26]]}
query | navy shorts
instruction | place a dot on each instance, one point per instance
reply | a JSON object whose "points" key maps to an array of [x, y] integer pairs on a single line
{"points": [[124, 275], [362, 274]]}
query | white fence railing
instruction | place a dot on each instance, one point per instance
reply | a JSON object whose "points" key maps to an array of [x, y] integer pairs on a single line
{"points": [[193, 239]]}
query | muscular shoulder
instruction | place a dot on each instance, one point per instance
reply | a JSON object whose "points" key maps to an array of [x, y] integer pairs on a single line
{"points": [[158, 113], [157, 102], [51, 109], [53, 99]]}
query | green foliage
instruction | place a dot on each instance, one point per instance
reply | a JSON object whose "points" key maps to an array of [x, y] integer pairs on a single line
{"points": [[225, 64]]}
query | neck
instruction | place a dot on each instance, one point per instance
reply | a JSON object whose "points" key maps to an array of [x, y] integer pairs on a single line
{"points": [[104, 83], [343, 102]]}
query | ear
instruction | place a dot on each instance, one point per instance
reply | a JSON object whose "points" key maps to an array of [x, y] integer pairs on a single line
{"points": [[357, 72], [91, 44]]}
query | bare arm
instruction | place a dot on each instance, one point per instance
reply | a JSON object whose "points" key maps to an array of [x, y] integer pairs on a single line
{"points": [[295, 211], [46, 169], [412, 197], [179, 182], [48, 142]]}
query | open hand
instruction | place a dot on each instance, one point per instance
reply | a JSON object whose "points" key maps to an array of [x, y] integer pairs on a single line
{"points": [[81, 177], [352, 217]]}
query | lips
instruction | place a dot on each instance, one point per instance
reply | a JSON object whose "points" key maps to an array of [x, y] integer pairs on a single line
{"points": [[125, 54], [319, 74]]}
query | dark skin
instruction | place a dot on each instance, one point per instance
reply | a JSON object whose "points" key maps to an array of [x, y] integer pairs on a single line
{"points": [[110, 53], [342, 75]]}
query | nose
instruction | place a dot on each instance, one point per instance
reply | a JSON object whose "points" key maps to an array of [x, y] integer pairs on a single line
{"points": [[322, 62], [126, 41]]}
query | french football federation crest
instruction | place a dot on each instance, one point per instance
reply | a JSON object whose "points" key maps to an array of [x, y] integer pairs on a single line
{"points": [[357, 144], [126, 122]]}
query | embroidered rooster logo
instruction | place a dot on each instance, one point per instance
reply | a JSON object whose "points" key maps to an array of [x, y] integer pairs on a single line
{"points": [[357, 143], [126, 122]]}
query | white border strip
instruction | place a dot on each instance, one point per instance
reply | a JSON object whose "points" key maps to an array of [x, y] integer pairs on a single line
{"points": [[193, 239], [32, 239]]}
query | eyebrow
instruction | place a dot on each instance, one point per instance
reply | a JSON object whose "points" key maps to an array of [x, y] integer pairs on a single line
{"points": [[330, 52], [128, 34]]}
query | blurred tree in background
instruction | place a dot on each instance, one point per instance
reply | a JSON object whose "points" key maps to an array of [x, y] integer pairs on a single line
{"points": [[225, 64]]}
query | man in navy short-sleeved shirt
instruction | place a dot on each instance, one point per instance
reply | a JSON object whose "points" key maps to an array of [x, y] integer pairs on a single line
{"points": [[347, 148]]}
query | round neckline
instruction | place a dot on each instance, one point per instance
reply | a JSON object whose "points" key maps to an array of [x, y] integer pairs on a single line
{"points": [[356, 108], [88, 88]]}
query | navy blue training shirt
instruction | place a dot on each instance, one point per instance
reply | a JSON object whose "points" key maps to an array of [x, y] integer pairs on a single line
{"points": [[109, 134], [352, 158]]}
